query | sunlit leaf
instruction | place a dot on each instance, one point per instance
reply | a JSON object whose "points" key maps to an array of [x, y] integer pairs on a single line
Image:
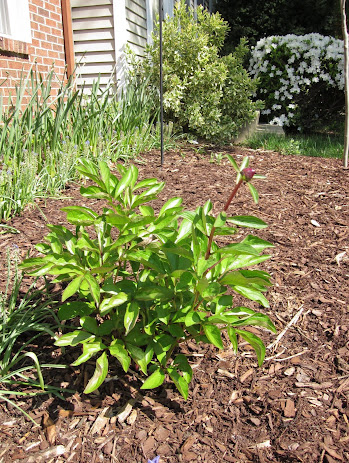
{"points": [[213, 334], [72, 288], [117, 349], [99, 375], [255, 342], [154, 380], [247, 221]]}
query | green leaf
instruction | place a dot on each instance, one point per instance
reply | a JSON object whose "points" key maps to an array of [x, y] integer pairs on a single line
{"points": [[220, 220], [245, 163], [86, 244], [123, 183], [110, 302], [146, 182], [94, 287], [245, 278], [74, 338], [247, 261], [131, 316], [141, 357], [252, 294], [255, 342], [184, 230], [72, 288], [213, 334], [154, 380], [176, 331], [99, 375], [257, 243], [151, 293], [247, 221], [180, 383], [105, 174], [171, 203], [233, 338], [233, 163], [182, 362], [94, 192], [146, 211], [257, 319], [74, 309], [117, 349], [194, 318], [79, 215], [89, 324], [106, 328], [89, 349], [195, 247], [254, 192], [116, 219]]}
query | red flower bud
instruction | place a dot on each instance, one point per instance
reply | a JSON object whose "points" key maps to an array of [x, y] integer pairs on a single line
{"points": [[247, 173]]}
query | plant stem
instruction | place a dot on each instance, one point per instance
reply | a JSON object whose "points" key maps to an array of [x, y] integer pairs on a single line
{"points": [[227, 204]]}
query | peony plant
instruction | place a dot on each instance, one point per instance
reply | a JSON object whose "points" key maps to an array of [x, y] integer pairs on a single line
{"points": [[300, 79], [138, 284]]}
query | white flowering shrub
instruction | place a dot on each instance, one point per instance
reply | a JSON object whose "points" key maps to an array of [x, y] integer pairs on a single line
{"points": [[301, 80]]}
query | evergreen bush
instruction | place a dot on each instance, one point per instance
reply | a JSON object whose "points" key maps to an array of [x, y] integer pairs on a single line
{"points": [[204, 93]]}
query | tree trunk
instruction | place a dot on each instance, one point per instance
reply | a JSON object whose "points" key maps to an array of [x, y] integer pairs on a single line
{"points": [[346, 80]]}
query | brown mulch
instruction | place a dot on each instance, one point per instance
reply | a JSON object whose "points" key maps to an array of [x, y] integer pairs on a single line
{"points": [[292, 409]]}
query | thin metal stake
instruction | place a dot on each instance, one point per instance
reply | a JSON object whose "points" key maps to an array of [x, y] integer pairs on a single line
{"points": [[161, 88]]}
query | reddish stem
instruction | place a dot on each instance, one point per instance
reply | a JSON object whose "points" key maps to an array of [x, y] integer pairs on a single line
{"points": [[227, 204]]}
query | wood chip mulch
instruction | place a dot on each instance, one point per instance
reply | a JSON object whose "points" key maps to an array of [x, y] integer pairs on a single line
{"points": [[292, 409]]}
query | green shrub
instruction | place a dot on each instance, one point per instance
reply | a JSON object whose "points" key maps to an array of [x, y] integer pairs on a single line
{"points": [[149, 282], [301, 80], [203, 93]]}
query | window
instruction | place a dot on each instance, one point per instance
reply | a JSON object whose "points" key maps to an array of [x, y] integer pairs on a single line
{"points": [[15, 20]]}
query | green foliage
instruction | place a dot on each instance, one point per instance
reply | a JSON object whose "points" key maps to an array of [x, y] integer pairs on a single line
{"points": [[261, 18], [142, 283], [203, 93], [23, 321], [42, 136]]}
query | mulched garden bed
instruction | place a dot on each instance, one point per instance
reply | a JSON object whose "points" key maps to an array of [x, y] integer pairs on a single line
{"points": [[292, 409]]}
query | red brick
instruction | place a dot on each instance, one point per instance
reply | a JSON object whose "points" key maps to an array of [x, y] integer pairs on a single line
{"points": [[52, 38], [50, 6], [39, 35], [56, 17], [38, 18], [44, 12], [50, 22], [57, 47], [38, 2], [57, 32], [35, 42]]}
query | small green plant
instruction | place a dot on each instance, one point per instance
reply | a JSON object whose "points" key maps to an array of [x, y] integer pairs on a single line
{"points": [[148, 282], [22, 321]]}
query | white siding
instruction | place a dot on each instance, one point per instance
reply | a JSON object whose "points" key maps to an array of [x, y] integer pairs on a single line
{"points": [[94, 45], [136, 18]]}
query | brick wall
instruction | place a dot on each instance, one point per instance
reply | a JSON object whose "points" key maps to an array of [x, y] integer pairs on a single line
{"points": [[45, 51]]}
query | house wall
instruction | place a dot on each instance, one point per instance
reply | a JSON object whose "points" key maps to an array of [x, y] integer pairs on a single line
{"points": [[45, 50], [94, 42]]}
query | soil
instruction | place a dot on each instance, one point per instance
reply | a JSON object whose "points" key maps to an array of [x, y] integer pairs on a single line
{"points": [[292, 409]]}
